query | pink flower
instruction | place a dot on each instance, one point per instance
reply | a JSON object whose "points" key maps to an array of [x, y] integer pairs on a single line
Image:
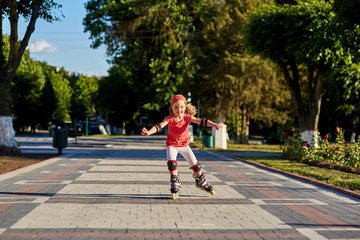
{"points": [[316, 129], [337, 128]]}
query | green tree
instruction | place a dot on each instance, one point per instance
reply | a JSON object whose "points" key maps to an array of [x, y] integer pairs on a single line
{"points": [[343, 94], [150, 38], [63, 93], [26, 91], [348, 28], [87, 91], [343, 91], [77, 109], [301, 40], [58, 92], [232, 84], [252, 86], [173, 46], [10, 60], [347, 12], [47, 102], [117, 98]]}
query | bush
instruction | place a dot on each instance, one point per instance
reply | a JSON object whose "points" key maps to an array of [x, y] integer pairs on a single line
{"points": [[338, 153]]}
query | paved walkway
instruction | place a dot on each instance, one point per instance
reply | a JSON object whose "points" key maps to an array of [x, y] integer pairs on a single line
{"points": [[119, 189]]}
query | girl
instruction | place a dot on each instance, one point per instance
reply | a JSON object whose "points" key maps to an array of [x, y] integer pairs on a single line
{"points": [[177, 141]]}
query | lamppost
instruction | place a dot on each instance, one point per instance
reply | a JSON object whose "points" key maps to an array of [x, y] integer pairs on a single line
{"points": [[198, 131]]}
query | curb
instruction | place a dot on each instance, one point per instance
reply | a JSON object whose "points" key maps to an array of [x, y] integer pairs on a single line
{"points": [[293, 175]]}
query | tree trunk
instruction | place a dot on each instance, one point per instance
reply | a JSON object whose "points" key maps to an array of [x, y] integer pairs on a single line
{"points": [[237, 135], [307, 110], [8, 144], [309, 121], [245, 126]]}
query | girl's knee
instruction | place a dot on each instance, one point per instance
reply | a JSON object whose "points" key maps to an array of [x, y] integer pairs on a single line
{"points": [[196, 168]]}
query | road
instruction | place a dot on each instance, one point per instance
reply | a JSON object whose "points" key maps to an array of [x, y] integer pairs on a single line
{"points": [[118, 188]]}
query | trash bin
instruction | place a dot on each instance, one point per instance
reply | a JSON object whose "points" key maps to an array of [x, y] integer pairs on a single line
{"points": [[208, 141], [60, 139]]}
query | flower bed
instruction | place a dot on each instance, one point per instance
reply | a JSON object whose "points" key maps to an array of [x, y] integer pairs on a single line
{"points": [[337, 154]]}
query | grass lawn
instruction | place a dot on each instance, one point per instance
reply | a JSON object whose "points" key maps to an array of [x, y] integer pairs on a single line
{"points": [[334, 177], [338, 178]]}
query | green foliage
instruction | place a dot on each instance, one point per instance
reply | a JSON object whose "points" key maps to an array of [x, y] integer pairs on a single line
{"points": [[62, 92], [10, 60], [352, 154], [337, 153], [335, 177], [253, 83], [160, 48], [150, 37], [178, 46], [229, 80], [343, 96], [304, 32], [25, 9], [86, 89], [301, 39], [348, 29], [26, 90], [293, 145], [58, 92], [117, 96], [347, 12]]}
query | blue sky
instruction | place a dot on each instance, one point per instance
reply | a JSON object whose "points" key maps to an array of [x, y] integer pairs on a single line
{"points": [[64, 43]]}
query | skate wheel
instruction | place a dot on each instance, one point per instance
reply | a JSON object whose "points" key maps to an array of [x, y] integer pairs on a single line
{"points": [[212, 192], [175, 196]]}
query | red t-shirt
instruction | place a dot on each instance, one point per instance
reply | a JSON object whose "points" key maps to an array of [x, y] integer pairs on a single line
{"points": [[178, 135]]}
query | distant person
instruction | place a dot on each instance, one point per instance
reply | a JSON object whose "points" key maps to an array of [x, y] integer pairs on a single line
{"points": [[177, 141]]}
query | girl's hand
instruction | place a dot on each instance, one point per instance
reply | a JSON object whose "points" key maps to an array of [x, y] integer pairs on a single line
{"points": [[144, 132], [218, 126]]}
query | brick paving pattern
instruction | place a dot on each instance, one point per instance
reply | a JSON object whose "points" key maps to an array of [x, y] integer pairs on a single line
{"points": [[119, 189]]}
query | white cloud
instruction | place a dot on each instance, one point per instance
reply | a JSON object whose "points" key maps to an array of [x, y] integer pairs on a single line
{"points": [[42, 46]]}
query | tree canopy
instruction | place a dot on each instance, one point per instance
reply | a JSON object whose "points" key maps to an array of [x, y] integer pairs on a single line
{"points": [[300, 38], [150, 39], [31, 10]]}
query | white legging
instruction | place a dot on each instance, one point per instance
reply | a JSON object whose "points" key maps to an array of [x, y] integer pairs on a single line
{"points": [[186, 152]]}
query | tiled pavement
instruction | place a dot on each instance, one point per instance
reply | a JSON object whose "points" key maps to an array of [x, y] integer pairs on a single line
{"points": [[120, 190]]}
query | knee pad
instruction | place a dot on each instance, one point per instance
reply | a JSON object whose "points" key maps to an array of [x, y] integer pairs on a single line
{"points": [[172, 165], [196, 167]]}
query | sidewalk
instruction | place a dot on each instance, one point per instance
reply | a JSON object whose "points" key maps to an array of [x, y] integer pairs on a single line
{"points": [[120, 190]]}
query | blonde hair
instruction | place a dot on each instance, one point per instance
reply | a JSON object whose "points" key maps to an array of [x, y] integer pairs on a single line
{"points": [[191, 109]]}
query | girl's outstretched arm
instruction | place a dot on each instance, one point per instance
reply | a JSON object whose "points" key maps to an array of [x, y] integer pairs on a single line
{"points": [[206, 122], [155, 129]]}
